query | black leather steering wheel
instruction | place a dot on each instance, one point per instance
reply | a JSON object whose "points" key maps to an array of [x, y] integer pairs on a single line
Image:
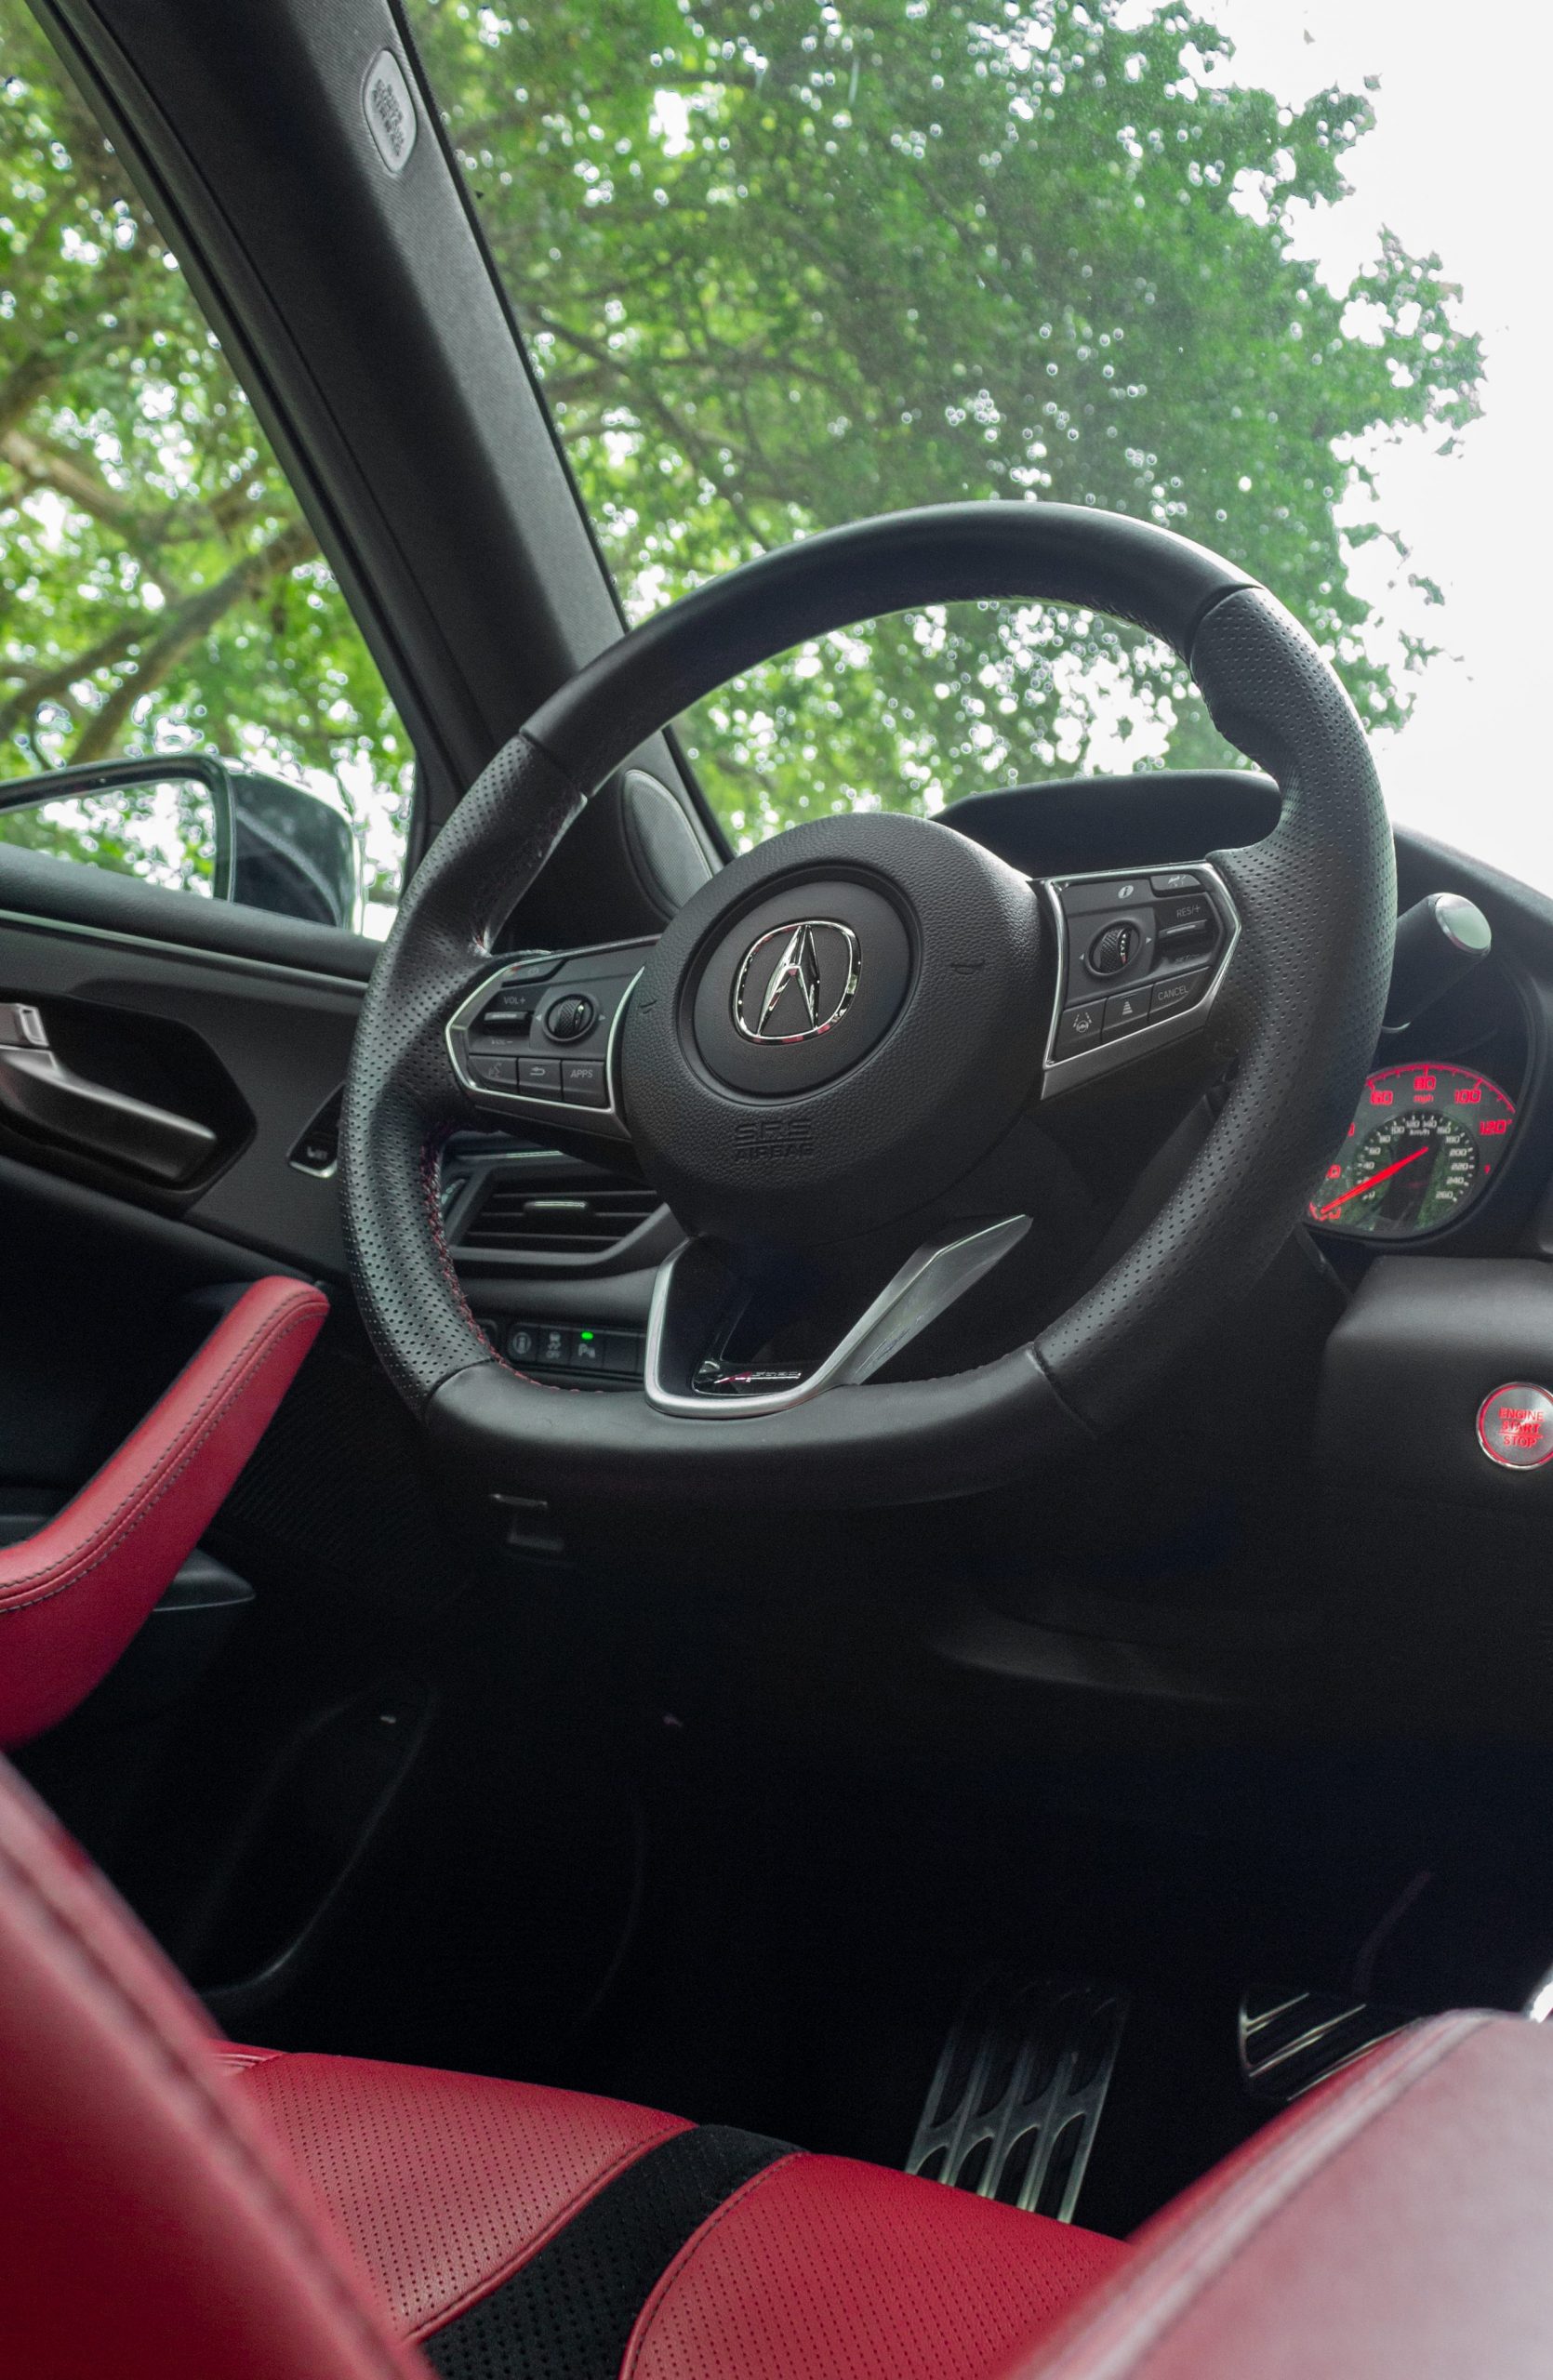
{"points": [[838, 1034]]}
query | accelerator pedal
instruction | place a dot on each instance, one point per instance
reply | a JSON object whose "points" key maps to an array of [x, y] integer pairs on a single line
{"points": [[1018, 2098], [1289, 2040]]}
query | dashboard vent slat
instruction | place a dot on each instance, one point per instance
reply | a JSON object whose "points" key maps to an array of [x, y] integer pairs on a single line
{"points": [[522, 1219]]}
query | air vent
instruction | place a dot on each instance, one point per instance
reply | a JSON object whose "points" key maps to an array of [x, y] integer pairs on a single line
{"points": [[523, 1219]]}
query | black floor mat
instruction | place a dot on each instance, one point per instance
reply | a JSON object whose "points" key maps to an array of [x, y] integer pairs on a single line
{"points": [[808, 1938]]}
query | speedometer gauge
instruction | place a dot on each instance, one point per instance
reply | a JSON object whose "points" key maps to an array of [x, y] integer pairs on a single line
{"points": [[1422, 1146]]}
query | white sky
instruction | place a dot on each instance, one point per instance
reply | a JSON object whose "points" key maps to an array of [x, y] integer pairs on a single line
{"points": [[1458, 164]]}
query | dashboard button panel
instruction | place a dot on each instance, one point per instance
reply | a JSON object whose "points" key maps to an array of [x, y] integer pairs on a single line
{"points": [[615, 1356]]}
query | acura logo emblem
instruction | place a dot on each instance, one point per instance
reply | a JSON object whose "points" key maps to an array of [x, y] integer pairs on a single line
{"points": [[796, 981]]}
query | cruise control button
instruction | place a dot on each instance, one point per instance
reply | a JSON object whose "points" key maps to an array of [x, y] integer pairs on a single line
{"points": [[1114, 949], [1178, 992], [583, 1082], [1125, 1011], [1177, 879], [1189, 936], [502, 1072], [1191, 910], [542, 1074], [1078, 1027], [1116, 892]]}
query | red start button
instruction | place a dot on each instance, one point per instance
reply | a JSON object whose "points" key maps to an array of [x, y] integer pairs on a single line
{"points": [[1515, 1426]]}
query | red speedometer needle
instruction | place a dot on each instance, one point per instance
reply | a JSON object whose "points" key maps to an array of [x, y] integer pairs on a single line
{"points": [[1369, 1181]]}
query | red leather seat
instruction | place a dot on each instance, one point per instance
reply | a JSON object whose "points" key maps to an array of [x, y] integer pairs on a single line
{"points": [[178, 2208], [515, 2229]]}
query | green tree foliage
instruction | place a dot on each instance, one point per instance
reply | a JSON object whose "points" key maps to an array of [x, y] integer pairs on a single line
{"points": [[159, 589], [780, 264], [783, 263]]}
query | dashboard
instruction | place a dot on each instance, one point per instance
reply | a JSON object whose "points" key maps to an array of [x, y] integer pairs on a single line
{"points": [[1448, 1151]]}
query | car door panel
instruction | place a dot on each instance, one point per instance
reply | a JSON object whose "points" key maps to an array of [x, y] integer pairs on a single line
{"points": [[278, 1035]]}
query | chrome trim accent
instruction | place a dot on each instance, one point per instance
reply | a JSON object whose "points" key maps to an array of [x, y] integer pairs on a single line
{"points": [[607, 1123], [1084, 1065], [797, 965], [925, 1287], [71, 928]]}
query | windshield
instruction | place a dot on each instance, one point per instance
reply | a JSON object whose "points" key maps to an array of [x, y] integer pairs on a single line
{"points": [[781, 265]]}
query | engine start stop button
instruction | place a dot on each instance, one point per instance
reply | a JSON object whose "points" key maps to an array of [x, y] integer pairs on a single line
{"points": [[1515, 1426]]}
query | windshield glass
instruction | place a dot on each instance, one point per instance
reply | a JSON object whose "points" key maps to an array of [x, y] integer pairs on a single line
{"points": [[782, 264]]}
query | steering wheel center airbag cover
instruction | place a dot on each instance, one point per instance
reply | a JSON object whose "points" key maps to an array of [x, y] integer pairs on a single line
{"points": [[875, 1102]]}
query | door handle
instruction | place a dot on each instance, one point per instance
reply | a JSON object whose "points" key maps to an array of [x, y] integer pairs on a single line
{"points": [[46, 1098]]}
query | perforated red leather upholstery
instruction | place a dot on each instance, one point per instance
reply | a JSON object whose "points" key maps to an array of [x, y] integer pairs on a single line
{"points": [[443, 2183], [151, 2228], [825, 2270]]}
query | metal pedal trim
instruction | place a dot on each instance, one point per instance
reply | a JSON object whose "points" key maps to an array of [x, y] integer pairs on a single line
{"points": [[1019, 2093], [1287, 2042]]}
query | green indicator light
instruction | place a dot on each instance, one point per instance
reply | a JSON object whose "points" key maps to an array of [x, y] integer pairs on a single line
{"points": [[585, 1334]]}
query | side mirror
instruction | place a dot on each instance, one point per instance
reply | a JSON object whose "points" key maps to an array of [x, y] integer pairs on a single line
{"points": [[198, 825]]}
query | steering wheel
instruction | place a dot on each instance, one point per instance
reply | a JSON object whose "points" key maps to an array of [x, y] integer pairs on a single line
{"points": [[829, 1060]]}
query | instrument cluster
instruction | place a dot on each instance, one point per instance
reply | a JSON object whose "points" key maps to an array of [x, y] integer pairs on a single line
{"points": [[1426, 1140]]}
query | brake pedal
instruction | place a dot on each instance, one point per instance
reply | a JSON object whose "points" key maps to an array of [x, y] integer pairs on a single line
{"points": [[1018, 2098], [1289, 2040]]}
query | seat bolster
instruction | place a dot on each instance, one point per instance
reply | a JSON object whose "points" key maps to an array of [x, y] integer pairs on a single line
{"points": [[151, 2229], [444, 2184], [1397, 2225], [73, 1595], [823, 2269]]}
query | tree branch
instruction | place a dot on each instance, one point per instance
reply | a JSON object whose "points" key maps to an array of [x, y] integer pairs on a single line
{"points": [[40, 686], [146, 528], [21, 387], [183, 627]]}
